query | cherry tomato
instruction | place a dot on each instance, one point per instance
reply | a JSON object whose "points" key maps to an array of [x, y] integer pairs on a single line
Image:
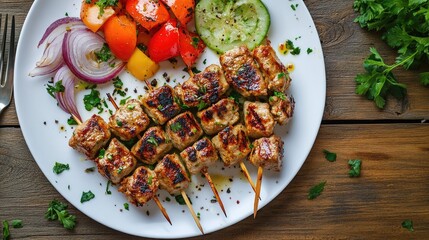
{"points": [[191, 46], [149, 13], [164, 44], [121, 35], [182, 9]]}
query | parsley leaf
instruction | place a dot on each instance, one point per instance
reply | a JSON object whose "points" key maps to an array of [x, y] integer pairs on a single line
{"points": [[127, 206], [180, 103], [152, 141], [55, 88], [330, 156], [316, 190], [355, 167], [93, 100], [104, 54], [17, 223], [408, 224], [6, 233], [58, 210], [60, 167], [86, 196], [71, 121], [180, 200], [290, 47], [309, 50], [280, 95], [175, 127], [201, 105], [108, 192]]}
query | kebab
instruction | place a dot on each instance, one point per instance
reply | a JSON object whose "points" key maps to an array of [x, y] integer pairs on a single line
{"points": [[114, 163]]}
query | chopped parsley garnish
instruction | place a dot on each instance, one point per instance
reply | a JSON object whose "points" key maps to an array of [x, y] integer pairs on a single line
{"points": [[104, 54], [235, 96], [60, 167], [294, 6], [309, 50], [281, 75], [127, 206], [108, 192], [118, 84], [6, 233], [201, 105], [93, 100], [119, 122], [202, 89], [180, 200], [195, 41], [91, 169], [152, 141], [101, 153], [316, 190], [280, 95], [86, 196], [17, 223], [291, 47], [149, 180], [55, 88], [110, 156], [131, 107], [167, 199], [355, 167], [330, 156], [103, 4], [88, 1], [180, 103], [58, 210], [193, 69], [160, 107], [198, 215], [408, 224], [120, 169], [123, 101], [71, 121], [175, 127]]}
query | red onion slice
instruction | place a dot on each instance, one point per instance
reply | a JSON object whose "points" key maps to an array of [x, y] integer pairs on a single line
{"points": [[51, 60], [59, 27], [79, 47], [66, 99]]}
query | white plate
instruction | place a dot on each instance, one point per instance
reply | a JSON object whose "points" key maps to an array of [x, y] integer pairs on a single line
{"points": [[49, 142]]}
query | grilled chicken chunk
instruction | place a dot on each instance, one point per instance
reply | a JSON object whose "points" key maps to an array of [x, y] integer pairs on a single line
{"points": [[129, 120], [90, 136], [152, 146], [219, 116], [207, 87], [267, 153], [232, 144], [258, 119], [159, 104], [200, 154], [141, 186], [275, 73], [242, 73], [183, 130], [282, 108], [172, 174], [117, 162]]}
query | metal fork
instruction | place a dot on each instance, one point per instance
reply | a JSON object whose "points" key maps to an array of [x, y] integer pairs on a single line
{"points": [[6, 78]]}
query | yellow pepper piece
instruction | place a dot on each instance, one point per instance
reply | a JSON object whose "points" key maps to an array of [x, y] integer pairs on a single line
{"points": [[141, 66]]}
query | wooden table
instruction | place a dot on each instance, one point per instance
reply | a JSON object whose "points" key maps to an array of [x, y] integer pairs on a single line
{"points": [[393, 145]]}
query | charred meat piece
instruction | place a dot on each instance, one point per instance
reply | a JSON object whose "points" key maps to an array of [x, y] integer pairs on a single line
{"points": [[141, 186], [282, 108], [258, 119], [172, 174], [267, 153], [183, 130], [159, 104], [242, 73], [129, 120], [219, 116], [232, 144], [116, 162], [90, 136], [275, 73], [152, 146], [203, 89], [200, 154]]}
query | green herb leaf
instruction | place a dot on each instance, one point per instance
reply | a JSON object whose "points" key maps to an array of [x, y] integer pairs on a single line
{"points": [[6, 233], [309, 50], [408, 224], [127, 206], [91, 169], [316, 190], [180, 200], [60, 167], [92, 100], [180, 103], [201, 105], [175, 127], [280, 95], [108, 192], [123, 101], [103, 4], [101, 153], [152, 141], [104, 54], [120, 169], [355, 165], [330, 156], [86, 196], [290, 47], [17, 223], [58, 210], [149, 180], [71, 121], [195, 41], [55, 88], [117, 83]]}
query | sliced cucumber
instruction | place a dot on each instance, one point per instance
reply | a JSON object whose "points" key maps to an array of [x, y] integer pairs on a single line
{"points": [[225, 24]]}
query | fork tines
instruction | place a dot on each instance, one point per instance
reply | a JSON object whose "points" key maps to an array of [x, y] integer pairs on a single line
{"points": [[7, 77]]}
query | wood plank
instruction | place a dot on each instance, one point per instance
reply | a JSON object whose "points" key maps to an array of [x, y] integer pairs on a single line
{"points": [[393, 187]]}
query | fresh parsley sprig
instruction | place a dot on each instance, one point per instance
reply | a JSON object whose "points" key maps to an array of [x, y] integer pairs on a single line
{"points": [[58, 210]]}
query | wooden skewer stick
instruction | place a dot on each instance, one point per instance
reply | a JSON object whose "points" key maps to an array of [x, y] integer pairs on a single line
{"points": [[155, 198], [247, 175], [188, 203], [79, 122], [258, 191], [148, 85], [213, 187]]}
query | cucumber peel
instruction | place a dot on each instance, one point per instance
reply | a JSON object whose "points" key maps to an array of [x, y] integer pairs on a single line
{"points": [[225, 24]]}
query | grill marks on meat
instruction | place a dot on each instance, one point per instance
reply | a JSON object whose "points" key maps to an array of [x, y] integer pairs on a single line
{"points": [[152, 146], [183, 130], [159, 104], [267, 153], [207, 86], [117, 162], [282, 109], [129, 120], [232, 144], [217, 117], [200, 154], [242, 72], [258, 119], [90, 136], [172, 174], [141, 186], [275, 73]]}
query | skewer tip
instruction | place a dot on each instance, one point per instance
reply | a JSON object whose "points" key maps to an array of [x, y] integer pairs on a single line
{"points": [[215, 192], [258, 191], [188, 203], [163, 211]]}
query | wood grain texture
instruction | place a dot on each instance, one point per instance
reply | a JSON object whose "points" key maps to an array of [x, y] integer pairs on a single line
{"points": [[393, 187]]}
